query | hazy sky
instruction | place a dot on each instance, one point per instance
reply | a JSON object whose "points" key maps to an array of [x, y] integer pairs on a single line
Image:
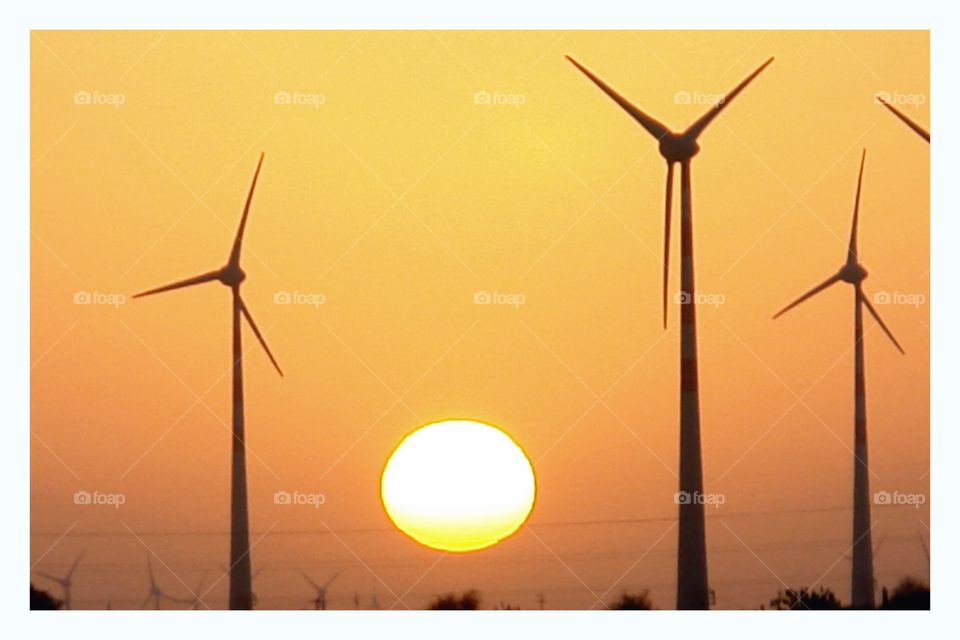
{"points": [[407, 172]]}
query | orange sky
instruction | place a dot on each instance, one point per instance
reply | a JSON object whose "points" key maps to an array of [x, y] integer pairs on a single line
{"points": [[394, 195]]}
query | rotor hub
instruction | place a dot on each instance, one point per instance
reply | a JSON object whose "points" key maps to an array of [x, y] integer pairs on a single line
{"points": [[852, 272], [232, 276], [676, 147]]}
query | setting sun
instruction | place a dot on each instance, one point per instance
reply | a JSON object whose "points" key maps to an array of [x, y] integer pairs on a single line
{"points": [[458, 485]]}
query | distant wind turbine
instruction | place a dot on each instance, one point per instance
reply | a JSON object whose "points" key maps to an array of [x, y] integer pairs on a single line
{"points": [[692, 589], [231, 275], [155, 594], [853, 273], [320, 601], [66, 582], [920, 131]]}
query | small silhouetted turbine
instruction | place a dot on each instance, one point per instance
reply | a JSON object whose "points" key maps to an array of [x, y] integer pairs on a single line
{"points": [[320, 600], [853, 273], [155, 593], [65, 582]]}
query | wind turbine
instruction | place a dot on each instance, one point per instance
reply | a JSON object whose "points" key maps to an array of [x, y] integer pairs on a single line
{"points": [[692, 589], [374, 600], [196, 601], [156, 593], [231, 275], [920, 131], [853, 273], [66, 582], [320, 601]]}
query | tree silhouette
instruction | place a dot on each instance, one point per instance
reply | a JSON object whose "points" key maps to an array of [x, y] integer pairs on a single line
{"points": [[468, 600], [628, 601], [909, 593], [821, 599], [41, 600]]}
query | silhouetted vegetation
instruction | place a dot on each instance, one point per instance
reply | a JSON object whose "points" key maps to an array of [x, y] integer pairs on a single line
{"points": [[628, 601], [468, 600], [909, 593], [42, 601], [821, 599]]}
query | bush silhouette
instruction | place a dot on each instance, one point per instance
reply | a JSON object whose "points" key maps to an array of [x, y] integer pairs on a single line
{"points": [[468, 600], [909, 593], [41, 600], [627, 601], [822, 599]]}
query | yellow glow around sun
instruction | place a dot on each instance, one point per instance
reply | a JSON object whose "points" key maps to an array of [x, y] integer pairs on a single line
{"points": [[458, 485]]}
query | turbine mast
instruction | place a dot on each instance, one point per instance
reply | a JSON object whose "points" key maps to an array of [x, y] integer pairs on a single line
{"points": [[241, 590], [862, 584], [692, 589]]}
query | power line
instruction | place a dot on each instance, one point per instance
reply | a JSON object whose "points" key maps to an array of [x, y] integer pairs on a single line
{"points": [[380, 530]]}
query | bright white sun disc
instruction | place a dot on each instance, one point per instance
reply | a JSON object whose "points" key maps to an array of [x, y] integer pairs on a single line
{"points": [[458, 485]]}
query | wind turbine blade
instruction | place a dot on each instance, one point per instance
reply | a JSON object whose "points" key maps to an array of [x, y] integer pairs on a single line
{"points": [[920, 131], [697, 127], [852, 250], [238, 241], [50, 577], [256, 331], [666, 240], [653, 126], [153, 582], [876, 316], [332, 578], [75, 563], [817, 289], [144, 604], [180, 284], [310, 580]]}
